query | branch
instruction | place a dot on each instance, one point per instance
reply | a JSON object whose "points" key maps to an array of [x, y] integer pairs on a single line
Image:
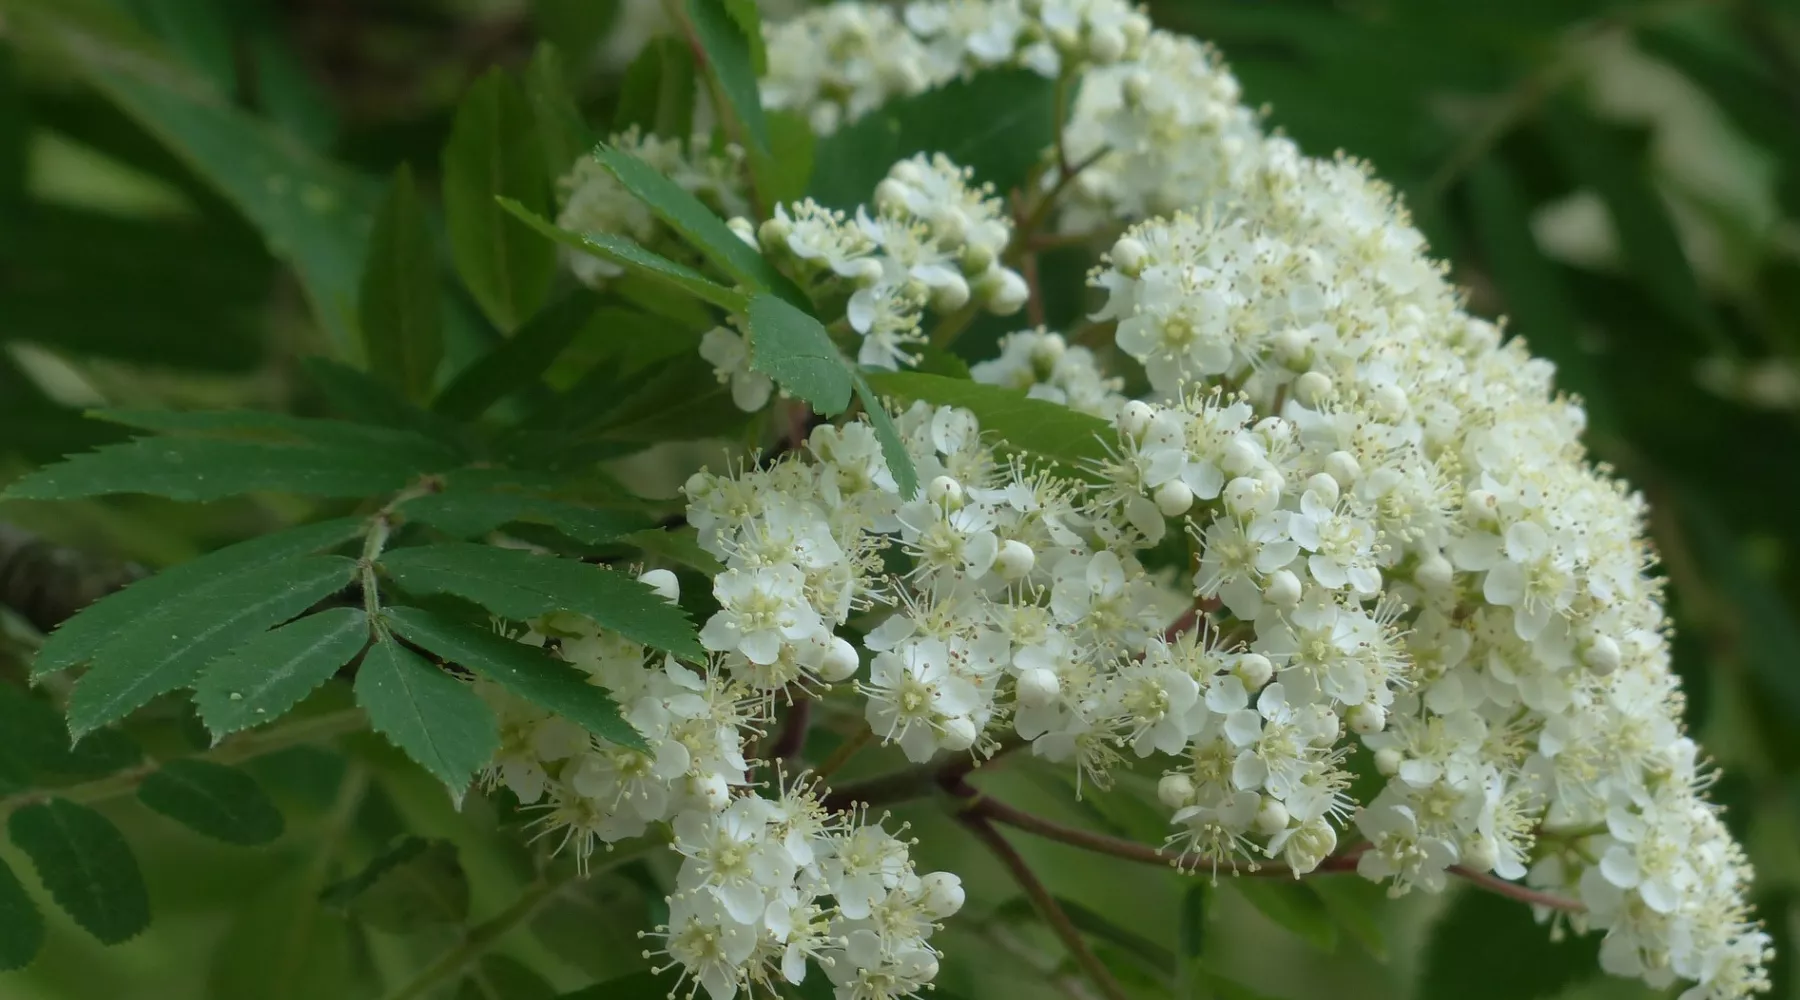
{"points": [[48, 583], [1046, 904], [1513, 890], [914, 782]]}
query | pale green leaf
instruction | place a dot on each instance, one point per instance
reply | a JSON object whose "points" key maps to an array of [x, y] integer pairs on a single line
{"points": [[792, 348], [401, 317], [437, 720], [1295, 907], [525, 671], [212, 799], [494, 152], [86, 865], [282, 944], [172, 648], [635, 259], [521, 585], [893, 449], [260, 680]]}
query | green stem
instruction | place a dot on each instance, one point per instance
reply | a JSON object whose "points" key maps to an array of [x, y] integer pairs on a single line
{"points": [[234, 750]]}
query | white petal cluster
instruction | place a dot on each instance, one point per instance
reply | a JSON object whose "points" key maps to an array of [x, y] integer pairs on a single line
{"points": [[933, 240], [1045, 366], [593, 200]]}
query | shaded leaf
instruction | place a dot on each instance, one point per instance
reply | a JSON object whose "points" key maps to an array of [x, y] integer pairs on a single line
{"points": [[437, 720], [260, 680], [893, 449], [637, 986], [657, 95], [561, 132], [37, 741], [86, 865], [1020, 422], [21, 924], [730, 38], [497, 977], [519, 361], [494, 152], [361, 399], [1295, 907], [212, 799], [418, 882], [1358, 905], [678, 545], [574, 26], [198, 469], [1486, 947], [635, 259], [472, 514], [525, 671], [171, 649], [401, 317], [282, 946], [791, 347], [520, 585]]}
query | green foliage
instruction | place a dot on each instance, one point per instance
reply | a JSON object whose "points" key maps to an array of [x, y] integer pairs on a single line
{"points": [[212, 799], [21, 924], [86, 866], [1020, 422], [418, 882], [629, 255], [657, 95], [497, 977], [791, 347], [1295, 906], [472, 514], [1488, 948], [401, 318], [434, 717], [516, 584], [196, 469], [262, 679], [493, 153]]}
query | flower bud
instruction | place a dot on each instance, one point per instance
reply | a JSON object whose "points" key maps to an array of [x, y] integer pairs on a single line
{"points": [[840, 662], [774, 233], [1136, 88], [743, 230], [711, 789], [1434, 573], [959, 733], [1015, 559], [1390, 401], [1343, 467], [1174, 498], [1271, 817], [1004, 291], [941, 894], [1312, 389], [951, 227], [1037, 687], [1129, 257], [1175, 790], [1254, 669], [1246, 496], [1481, 509], [1283, 589], [890, 195], [1242, 458], [1106, 45], [945, 492], [1309, 845], [1479, 854], [1294, 349], [976, 258], [863, 272], [951, 295], [1366, 719], [1601, 655], [907, 172], [1388, 761], [1135, 417], [1324, 486], [664, 583]]}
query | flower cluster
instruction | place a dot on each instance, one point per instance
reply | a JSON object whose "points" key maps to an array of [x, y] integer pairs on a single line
{"points": [[1044, 366], [593, 200]]}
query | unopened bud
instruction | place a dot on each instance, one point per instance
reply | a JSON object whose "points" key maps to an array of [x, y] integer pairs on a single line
{"points": [[1135, 417], [1325, 487], [1015, 559], [1174, 498], [1366, 719], [1343, 467], [742, 228], [1175, 790], [958, 733], [1254, 669], [1004, 291], [1434, 573], [1037, 687], [1312, 389], [1388, 761], [945, 492], [840, 662], [1271, 817], [1601, 655], [664, 583], [1129, 256], [1283, 589], [951, 295]]}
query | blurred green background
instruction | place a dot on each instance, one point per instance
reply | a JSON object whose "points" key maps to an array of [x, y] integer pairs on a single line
{"points": [[1621, 179]]}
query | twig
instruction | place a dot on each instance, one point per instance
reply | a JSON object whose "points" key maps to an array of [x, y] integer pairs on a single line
{"points": [[1046, 904], [914, 782], [1513, 890]]}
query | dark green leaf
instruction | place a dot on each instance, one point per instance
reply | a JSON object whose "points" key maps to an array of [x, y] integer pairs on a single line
{"points": [[657, 96], [635, 259], [644, 985], [402, 319], [356, 396], [99, 624], [198, 32], [1359, 906], [893, 450], [471, 514], [212, 799], [526, 672], [519, 585], [574, 26], [197, 469], [998, 123], [15, 132], [172, 648], [695, 223], [564, 136], [1023, 424], [729, 38], [86, 865], [1190, 936], [678, 545], [493, 152], [1486, 947], [416, 883], [37, 741], [519, 361], [497, 977], [21, 925], [286, 91], [259, 681], [1294, 906], [436, 719], [404, 446], [792, 348]]}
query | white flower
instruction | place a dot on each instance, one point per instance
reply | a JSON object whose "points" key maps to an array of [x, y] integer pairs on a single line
{"points": [[729, 355], [759, 610]]}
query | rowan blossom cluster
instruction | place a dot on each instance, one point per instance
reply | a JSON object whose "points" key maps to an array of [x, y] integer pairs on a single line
{"points": [[1400, 556]]}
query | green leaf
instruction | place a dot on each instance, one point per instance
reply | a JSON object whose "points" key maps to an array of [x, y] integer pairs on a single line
{"points": [[635, 259], [677, 545], [281, 944], [98, 625], [525, 671], [358, 397], [1602, 156], [199, 32], [212, 799], [1294, 906], [1190, 936], [657, 95], [285, 89], [21, 925], [402, 319], [695, 223], [497, 977], [1153, 957], [998, 123], [1359, 906], [86, 866], [561, 131], [37, 741], [472, 514], [643, 985], [730, 37], [1486, 947], [418, 882], [1031, 425], [893, 449], [520, 585], [790, 169], [434, 718], [519, 361], [792, 348], [404, 446], [260, 680], [198, 469], [574, 26], [493, 152], [171, 649]]}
